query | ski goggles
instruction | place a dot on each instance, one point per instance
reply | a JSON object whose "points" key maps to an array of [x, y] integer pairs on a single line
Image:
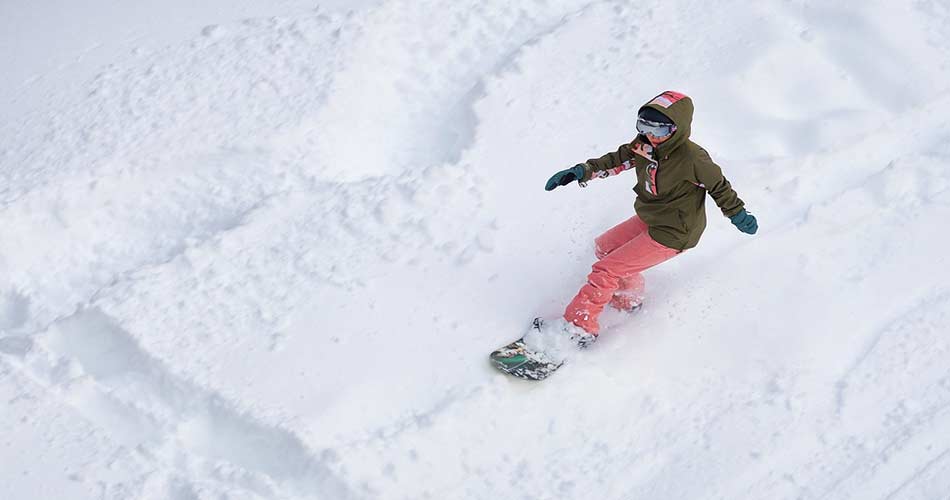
{"points": [[656, 129]]}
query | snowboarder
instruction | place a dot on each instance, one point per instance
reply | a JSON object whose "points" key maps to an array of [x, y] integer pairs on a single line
{"points": [[673, 176]]}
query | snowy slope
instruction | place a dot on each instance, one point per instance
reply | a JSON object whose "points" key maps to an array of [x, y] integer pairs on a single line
{"points": [[262, 250]]}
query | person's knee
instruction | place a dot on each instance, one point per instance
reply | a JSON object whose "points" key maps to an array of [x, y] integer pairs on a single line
{"points": [[603, 276], [599, 247]]}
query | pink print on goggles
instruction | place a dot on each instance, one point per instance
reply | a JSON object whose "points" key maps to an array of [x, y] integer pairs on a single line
{"points": [[656, 129]]}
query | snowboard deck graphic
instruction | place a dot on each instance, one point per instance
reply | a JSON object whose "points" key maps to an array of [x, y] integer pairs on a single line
{"points": [[517, 360]]}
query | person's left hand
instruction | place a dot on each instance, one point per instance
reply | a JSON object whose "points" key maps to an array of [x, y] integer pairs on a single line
{"points": [[745, 222]]}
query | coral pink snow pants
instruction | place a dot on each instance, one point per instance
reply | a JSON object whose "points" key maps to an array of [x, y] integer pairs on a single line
{"points": [[624, 252]]}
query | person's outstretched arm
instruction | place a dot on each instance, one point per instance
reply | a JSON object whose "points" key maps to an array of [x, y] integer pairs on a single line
{"points": [[607, 165]]}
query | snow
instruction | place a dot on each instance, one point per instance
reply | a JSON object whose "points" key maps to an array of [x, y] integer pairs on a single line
{"points": [[555, 341], [262, 249]]}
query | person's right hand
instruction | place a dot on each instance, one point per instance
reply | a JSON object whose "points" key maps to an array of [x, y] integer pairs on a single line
{"points": [[565, 177]]}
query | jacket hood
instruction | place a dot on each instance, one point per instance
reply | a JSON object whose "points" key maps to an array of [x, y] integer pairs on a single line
{"points": [[679, 108]]}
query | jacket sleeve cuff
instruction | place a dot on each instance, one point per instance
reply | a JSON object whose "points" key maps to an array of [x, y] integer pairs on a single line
{"points": [[588, 172], [734, 211]]}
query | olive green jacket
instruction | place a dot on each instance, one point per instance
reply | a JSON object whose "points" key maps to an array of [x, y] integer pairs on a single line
{"points": [[672, 179]]}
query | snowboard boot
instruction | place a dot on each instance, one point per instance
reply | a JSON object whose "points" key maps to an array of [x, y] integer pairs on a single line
{"points": [[626, 301], [556, 337]]}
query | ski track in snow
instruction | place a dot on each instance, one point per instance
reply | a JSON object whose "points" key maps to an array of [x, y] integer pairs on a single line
{"points": [[215, 259], [188, 433]]}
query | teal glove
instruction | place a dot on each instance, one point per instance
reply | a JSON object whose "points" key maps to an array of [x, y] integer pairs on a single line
{"points": [[745, 222], [565, 177]]}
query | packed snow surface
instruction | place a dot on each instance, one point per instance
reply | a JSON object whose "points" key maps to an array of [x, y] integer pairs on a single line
{"points": [[261, 250]]}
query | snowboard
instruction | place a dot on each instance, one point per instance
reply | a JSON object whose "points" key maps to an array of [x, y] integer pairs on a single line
{"points": [[518, 360], [515, 359]]}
